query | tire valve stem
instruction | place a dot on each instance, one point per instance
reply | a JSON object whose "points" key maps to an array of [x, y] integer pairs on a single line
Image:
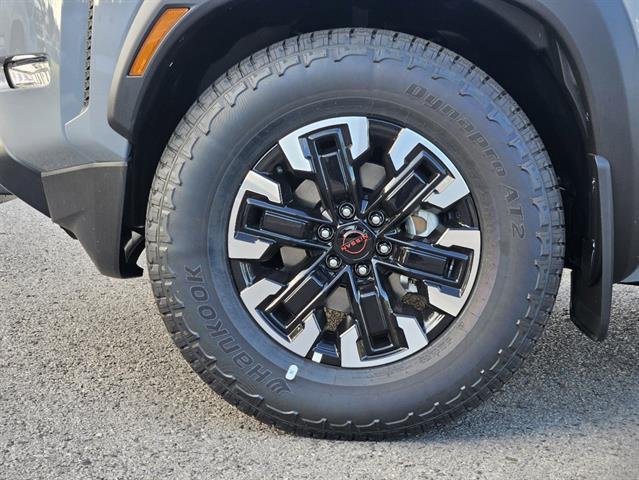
{"points": [[291, 372]]}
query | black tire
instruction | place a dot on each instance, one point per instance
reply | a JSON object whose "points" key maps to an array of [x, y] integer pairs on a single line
{"points": [[342, 72]]}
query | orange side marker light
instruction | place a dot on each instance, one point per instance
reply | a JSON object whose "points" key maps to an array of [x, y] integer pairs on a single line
{"points": [[162, 26]]}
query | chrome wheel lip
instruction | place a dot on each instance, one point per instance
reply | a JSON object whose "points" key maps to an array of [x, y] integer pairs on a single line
{"points": [[451, 190]]}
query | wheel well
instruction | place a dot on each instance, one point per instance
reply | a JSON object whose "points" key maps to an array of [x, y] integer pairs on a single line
{"points": [[516, 49]]}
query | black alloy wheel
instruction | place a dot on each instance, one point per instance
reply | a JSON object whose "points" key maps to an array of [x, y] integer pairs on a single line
{"points": [[354, 242]]}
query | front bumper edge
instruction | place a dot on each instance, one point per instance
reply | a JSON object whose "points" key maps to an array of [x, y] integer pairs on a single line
{"points": [[87, 200], [24, 182]]}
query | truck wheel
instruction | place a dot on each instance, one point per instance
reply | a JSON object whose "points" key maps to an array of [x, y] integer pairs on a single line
{"points": [[356, 234]]}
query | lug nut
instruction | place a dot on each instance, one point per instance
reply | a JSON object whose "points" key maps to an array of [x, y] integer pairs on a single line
{"points": [[376, 219], [346, 210], [362, 270], [325, 232], [333, 262], [384, 248]]}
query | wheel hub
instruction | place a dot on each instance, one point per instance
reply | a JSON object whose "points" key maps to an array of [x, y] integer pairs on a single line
{"points": [[354, 243]]}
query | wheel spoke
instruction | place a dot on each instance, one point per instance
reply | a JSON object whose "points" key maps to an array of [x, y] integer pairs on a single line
{"points": [[377, 323], [422, 174], [303, 294], [451, 188], [435, 264], [352, 358], [329, 149], [373, 314], [451, 301], [417, 176], [242, 245], [302, 339], [284, 225]]}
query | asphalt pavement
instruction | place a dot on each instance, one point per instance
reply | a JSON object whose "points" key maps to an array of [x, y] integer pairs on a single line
{"points": [[92, 387]]}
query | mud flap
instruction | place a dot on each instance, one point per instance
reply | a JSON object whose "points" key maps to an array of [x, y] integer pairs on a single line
{"points": [[591, 285]]}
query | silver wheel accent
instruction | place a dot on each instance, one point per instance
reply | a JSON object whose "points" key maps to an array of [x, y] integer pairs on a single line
{"points": [[292, 146], [450, 190], [245, 246], [351, 358], [257, 293], [470, 239]]}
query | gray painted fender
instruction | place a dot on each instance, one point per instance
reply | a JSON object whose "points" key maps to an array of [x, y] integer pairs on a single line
{"points": [[71, 129], [57, 150], [128, 93]]}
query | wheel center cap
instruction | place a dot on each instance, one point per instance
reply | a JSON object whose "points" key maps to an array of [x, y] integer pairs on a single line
{"points": [[354, 243]]}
